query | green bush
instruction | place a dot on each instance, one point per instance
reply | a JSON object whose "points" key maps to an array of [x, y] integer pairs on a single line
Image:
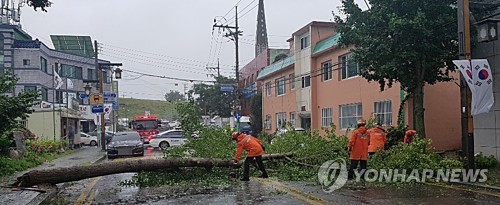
{"points": [[45, 146], [483, 162], [416, 155], [9, 165]]}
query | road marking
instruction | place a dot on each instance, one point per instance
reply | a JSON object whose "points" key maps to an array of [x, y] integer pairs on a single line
{"points": [[85, 192], [462, 189], [91, 197], [292, 191]]}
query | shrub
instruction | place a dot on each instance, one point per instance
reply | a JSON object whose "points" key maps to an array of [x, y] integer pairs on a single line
{"points": [[483, 162]]}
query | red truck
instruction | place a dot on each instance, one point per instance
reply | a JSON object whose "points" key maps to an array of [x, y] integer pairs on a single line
{"points": [[145, 125]]}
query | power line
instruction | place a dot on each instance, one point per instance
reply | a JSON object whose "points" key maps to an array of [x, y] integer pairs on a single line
{"points": [[167, 77]]}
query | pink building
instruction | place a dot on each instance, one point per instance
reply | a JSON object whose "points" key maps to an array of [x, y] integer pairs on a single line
{"points": [[320, 85]]}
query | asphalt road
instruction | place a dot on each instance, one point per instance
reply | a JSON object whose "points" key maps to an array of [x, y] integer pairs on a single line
{"points": [[106, 190]]}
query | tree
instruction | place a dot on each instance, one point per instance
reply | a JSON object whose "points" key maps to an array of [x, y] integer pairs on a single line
{"points": [[211, 100], [42, 4], [174, 96], [409, 42], [256, 109], [13, 108], [190, 117]]}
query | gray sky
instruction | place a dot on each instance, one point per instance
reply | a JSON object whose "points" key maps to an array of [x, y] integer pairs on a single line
{"points": [[172, 38]]}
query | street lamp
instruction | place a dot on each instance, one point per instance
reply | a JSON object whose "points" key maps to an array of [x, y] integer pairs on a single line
{"points": [[487, 30], [88, 89]]}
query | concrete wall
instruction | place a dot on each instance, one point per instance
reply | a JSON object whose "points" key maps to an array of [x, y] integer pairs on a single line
{"points": [[487, 126], [42, 124]]}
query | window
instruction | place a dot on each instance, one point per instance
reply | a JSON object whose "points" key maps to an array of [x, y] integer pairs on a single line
{"points": [[326, 117], [43, 64], [292, 81], [29, 88], [327, 70], [45, 94], [306, 81], [268, 122], [70, 71], [305, 42], [280, 120], [349, 114], [26, 62], [292, 119], [91, 74], [268, 88], [105, 78], [349, 67], [280, 86], [383, 112], [60, 96]]}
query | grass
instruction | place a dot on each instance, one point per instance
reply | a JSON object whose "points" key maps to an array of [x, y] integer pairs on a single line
{"points": [[10, 166], [493, 176], [130, 107]]}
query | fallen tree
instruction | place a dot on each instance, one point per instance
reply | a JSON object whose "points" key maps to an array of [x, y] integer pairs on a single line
{"points": [[67, 174]]}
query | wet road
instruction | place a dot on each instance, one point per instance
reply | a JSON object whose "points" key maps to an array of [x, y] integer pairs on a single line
{"points": [[106, 190]]}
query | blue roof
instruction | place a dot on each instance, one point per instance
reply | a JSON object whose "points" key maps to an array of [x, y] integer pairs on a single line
{"points": [[276, 67]]}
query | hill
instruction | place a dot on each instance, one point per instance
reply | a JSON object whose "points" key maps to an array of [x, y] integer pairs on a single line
{"points": [[130, 107]]}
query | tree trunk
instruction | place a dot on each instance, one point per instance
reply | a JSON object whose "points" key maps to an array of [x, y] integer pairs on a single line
{"points": [[419, 112], [67, 174]]}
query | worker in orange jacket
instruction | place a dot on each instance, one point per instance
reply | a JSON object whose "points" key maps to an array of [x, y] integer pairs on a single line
{"points": [[255, 151], [377, 139], [409, 136], [358, 148]]}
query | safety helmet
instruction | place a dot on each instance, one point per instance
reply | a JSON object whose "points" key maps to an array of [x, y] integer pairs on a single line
{"points": [[361, 122], [234, 135]]}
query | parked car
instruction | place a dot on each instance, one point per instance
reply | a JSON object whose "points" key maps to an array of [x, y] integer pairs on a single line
{"points": [[108, 135], [125, 144], [167, 139], [86, 139], [282, 132]]}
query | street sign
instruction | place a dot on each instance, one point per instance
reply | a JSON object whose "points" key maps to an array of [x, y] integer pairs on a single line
{"points": [[98, 108], [226, 88], [109, 94], [82, 95], [96, 98], [237, 116]]}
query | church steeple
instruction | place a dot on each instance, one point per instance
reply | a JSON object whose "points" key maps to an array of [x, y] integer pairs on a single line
{"points": [[261, 43]]}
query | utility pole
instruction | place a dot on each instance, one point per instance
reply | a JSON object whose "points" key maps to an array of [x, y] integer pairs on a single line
{"points": [[101, 91], [234, 35], [215, 68], [465, 53]]}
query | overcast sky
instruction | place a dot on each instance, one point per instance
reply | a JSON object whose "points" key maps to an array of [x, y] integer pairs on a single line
{"points": [[172, 38]]}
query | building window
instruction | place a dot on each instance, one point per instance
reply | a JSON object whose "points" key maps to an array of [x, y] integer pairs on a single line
{"points": [[268, 88], [306, 81], [45, 94], [326, 117], [43, 64], [26, 62], [305, 42], [70, 71], [268, 122], [292, 81], [60, 96], [105, 78], [383, 112], [292, 119], [29, 88], [327, 70], [280, 86], [280, 120], [91, 74], [349, 114], [349, 67]]}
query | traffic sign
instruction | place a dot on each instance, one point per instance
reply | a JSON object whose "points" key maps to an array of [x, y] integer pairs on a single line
{"points": [[98, 108], [82, 95], [96, 98], [226, 88], [237, 116], [109, 94]]}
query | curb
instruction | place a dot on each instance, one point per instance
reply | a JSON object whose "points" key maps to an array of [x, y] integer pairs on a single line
{"points": [[45, 198], [478, 185]]}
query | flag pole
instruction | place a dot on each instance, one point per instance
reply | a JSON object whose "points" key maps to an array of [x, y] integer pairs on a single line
{"points": [[53, 100]]}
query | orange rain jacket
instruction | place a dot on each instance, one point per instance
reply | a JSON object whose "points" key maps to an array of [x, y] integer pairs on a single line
{"points": [[409, 135], [358, 144], [250, 144], [377, 139]]}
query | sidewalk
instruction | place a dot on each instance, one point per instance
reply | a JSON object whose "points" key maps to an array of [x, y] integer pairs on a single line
{"points": [[82, 156]]}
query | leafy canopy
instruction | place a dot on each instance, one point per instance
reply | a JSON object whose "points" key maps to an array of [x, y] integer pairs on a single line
{"points": [[403, 41], [15, 107], [174, 96], [211, 100]]}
